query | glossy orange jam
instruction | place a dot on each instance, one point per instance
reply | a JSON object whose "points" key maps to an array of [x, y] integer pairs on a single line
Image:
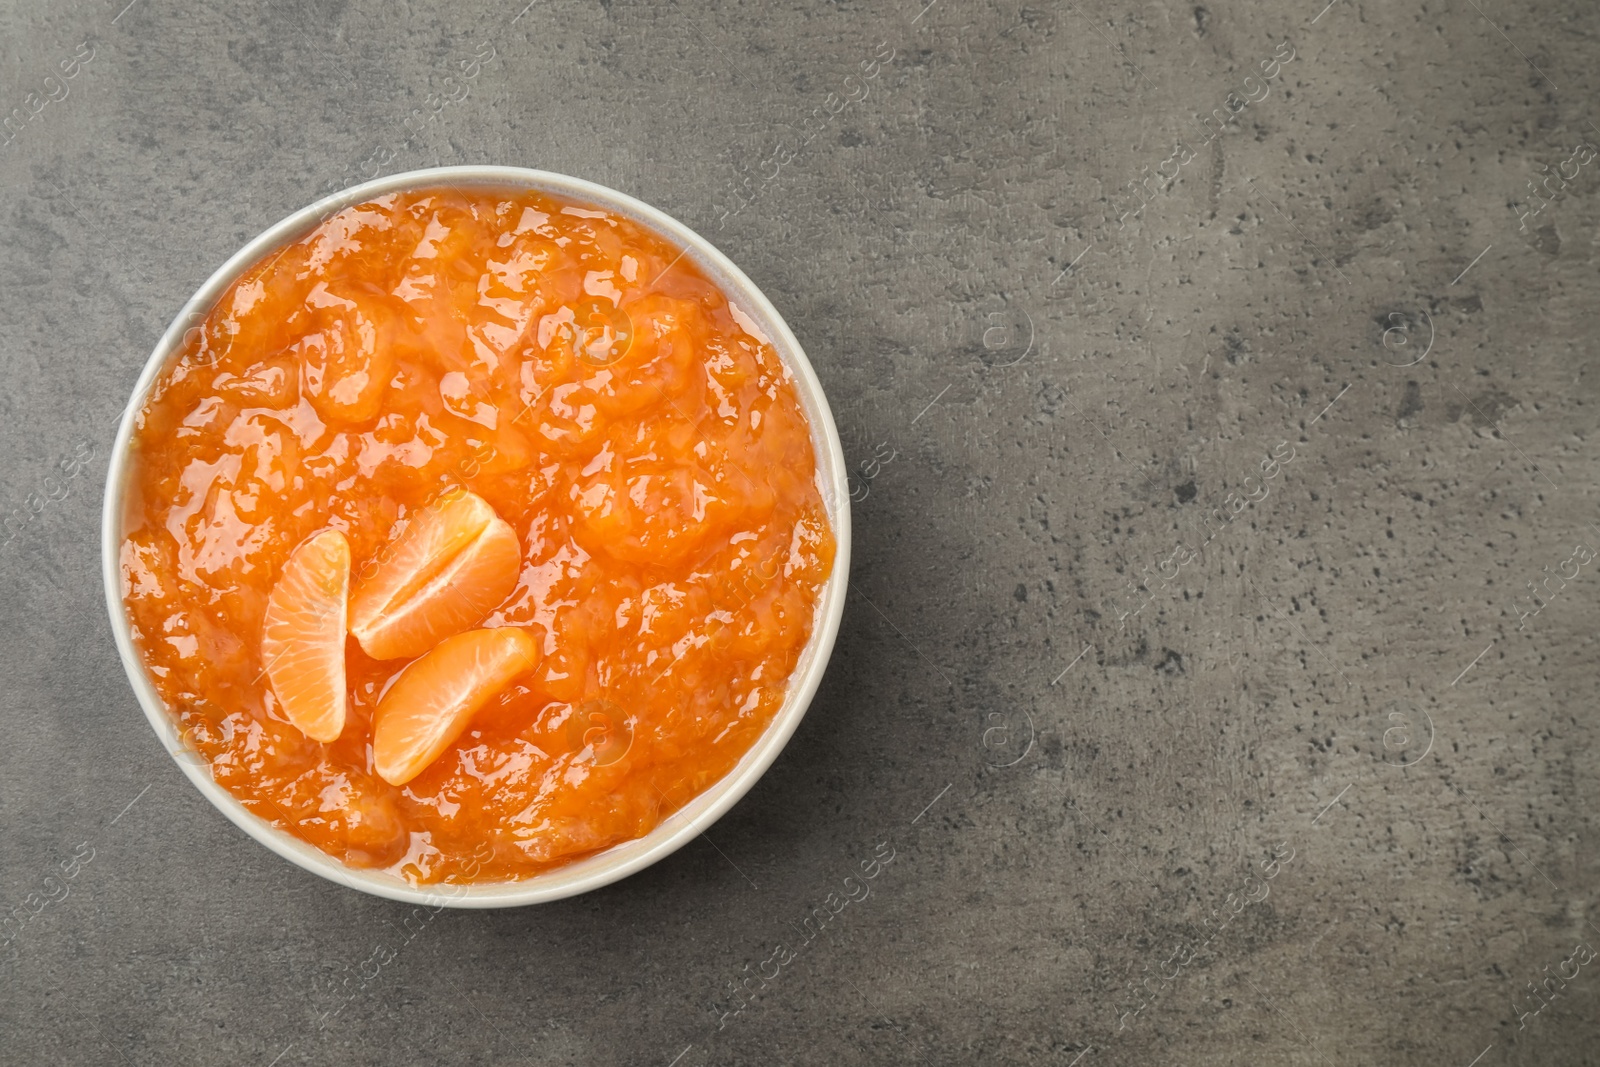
{"points": [[576, 372]]}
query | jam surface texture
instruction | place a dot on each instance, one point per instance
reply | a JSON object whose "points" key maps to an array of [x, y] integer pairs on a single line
{"points": [[579, 376]]}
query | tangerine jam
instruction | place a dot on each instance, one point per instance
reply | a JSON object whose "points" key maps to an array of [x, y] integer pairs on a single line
{"points": [[552, 380]]}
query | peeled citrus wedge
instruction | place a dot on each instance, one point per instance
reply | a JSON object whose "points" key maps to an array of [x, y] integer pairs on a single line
{"points": [[302, 644], [435, 698], [455, 562]]}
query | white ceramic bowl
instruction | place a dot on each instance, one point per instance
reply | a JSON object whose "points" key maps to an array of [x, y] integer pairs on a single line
{"points": [[684, 825]]}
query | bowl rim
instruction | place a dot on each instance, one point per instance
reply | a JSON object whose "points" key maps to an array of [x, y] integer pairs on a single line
{"points": [[688, 822]]}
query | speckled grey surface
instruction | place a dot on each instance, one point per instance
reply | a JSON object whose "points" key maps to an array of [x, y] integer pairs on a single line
{"points": [[1334, 726]]}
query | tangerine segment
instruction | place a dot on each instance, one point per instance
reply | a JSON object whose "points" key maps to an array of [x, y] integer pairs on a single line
{"points": [[453, 564], [435, 698], [302, 643]]}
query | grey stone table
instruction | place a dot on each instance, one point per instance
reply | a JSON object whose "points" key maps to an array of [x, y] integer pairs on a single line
{"points": [[1219, 666]]}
